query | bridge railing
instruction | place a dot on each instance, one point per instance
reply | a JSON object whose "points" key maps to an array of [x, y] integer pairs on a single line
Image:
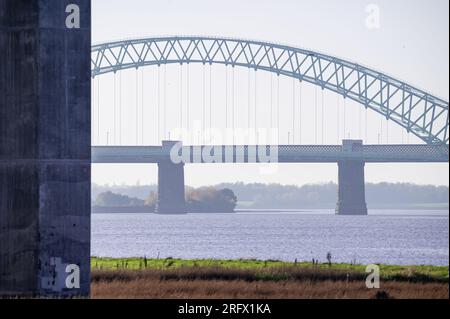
{"points": [[272, 154], [405, 152]]}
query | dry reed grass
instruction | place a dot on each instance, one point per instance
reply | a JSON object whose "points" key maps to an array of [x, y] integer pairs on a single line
{"points": [[272, 283]]}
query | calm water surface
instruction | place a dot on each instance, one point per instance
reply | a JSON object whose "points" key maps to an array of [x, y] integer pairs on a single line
{"points": [[392, 237]]}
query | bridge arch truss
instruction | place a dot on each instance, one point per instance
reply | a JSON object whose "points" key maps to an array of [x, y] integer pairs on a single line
{"points": [[417, 111]]}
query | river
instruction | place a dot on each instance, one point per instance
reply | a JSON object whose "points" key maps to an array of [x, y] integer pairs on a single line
{"points": [[390, 237]]}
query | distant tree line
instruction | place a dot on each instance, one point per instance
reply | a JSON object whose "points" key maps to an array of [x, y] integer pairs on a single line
{"points": [[325, 195], [210, 199], [109, 198], [136, 191], [198, 200], [278, 196]]}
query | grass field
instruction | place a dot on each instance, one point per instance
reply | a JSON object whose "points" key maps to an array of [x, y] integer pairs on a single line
{"points": [[177, 278]]}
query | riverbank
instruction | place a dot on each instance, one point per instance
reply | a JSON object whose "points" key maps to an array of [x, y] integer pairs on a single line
{"points": [[177, 278]]}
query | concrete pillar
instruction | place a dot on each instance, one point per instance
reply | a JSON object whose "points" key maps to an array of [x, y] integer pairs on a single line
{"points": [[45, 147], [171, 193], [351, 194]]}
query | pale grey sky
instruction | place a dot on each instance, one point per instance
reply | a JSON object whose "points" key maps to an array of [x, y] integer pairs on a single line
{"points": [[411, 44]]}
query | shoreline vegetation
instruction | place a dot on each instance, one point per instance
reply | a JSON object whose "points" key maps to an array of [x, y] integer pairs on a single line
{"points": [[224, 198], [209, 278], [200, 200]]}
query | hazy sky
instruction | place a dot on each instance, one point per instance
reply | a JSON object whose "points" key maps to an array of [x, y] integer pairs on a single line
{"points": [[411, 44]]}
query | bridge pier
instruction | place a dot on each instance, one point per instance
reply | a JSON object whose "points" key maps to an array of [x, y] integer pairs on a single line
{"points": [[351, 184], [45, 148], [171, 192]]}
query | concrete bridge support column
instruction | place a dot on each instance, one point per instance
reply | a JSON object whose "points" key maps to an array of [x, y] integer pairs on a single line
{"points": [[45, 147], [351, 184], [171, 192], [171, 195]]}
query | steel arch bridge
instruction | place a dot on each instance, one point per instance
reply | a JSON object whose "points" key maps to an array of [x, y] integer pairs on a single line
{"points": [[417, 111]]}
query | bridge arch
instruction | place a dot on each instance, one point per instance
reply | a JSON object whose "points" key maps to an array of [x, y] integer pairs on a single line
{"points": [[417, 111]]}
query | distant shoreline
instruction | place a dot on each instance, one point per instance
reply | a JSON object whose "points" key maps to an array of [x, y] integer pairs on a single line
{"points": [[150, 210], [307, 197], [136, 210]]}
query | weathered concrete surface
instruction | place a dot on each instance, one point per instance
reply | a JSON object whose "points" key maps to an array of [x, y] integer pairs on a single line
{"points": [[44, 147], [171, 192], [351, 184]]}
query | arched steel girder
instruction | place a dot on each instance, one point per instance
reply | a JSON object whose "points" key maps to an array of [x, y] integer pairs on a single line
{"points": [[417, 111]]}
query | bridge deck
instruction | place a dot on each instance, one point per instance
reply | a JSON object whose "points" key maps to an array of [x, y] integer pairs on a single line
{"points": [[280, 154]]}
